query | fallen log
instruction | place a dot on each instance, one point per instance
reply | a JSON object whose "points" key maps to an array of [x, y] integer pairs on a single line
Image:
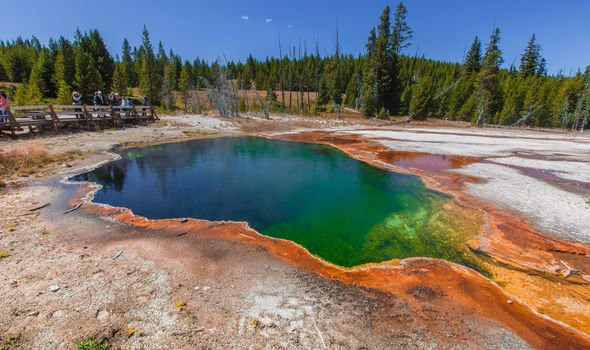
{"points": [[74, 208], [40, 207]]}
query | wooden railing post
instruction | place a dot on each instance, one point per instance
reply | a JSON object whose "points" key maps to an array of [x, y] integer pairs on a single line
{"points": [[154, 115], [88, 116], [115, 117], [12, 120], [54, 118], [135, 114]]}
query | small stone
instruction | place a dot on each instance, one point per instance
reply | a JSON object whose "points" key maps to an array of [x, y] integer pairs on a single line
{"points": [[206, 288], [509, 301], [102, 315], [34, 313], [197, 288], [54, 288]]}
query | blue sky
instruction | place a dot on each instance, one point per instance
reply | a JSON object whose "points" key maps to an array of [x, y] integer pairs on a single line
{"points": [[235, 28]]}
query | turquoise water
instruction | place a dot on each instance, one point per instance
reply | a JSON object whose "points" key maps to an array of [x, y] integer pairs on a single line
{"points": [[340, 209]]}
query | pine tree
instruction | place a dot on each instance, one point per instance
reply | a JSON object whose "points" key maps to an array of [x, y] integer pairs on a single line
{"points": [[168, 88], [400, 39], [42, 75], [65, 63], [530, 58], [353, 91], [488, 83], [120, 82], [184, 86], [371, 42], [542, 67], [402, 33], [383, 61], [421, 98], [513, 94], [378, 83], [473, 58], [64, 93], [323, 97], [95, 46], [127, 63], [88, 79], [21, 97], [369, 87], [34, 93], [3, 74], [149, 79], [59, 69]]}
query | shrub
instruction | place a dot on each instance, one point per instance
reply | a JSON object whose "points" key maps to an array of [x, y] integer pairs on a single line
{"points": [[92, 344], [383, 114]]}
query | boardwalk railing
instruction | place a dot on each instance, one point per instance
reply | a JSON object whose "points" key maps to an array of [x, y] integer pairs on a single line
{"points": [[57, 117]]}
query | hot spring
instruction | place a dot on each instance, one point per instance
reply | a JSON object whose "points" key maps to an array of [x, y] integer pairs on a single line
{"points": [[340, 209]]}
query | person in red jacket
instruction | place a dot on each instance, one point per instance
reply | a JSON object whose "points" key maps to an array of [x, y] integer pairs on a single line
{"points": [[4, 104]]}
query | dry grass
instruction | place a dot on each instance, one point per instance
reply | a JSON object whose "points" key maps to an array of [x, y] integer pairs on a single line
{"points": [[29, 158], [131, 331]]}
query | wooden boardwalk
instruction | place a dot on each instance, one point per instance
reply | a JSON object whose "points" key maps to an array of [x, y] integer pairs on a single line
{"points": [[58, 117]]}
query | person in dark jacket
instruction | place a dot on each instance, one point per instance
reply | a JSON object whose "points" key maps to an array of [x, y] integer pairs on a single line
{"points": [[98, 99]]}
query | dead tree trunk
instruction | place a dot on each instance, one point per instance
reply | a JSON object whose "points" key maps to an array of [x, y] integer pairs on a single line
{"points": [[290, 88], [481, 116], [317, 76], [524, 118], [196, 101], [264, 105], [281, 71]]}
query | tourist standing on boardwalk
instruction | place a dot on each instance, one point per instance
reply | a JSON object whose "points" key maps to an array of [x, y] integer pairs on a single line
{"points": [[98, 99], [4, 105], [77, 101], [76, 98]]}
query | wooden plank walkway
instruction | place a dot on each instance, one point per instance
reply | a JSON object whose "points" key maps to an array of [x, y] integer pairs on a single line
{"points": [[58, 117]]}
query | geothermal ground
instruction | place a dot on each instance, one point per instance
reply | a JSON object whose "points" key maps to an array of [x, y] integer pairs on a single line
{"points": [[104, 273]]}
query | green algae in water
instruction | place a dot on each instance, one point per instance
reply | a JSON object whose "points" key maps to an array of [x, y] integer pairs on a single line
{"points": [[340, 209]]}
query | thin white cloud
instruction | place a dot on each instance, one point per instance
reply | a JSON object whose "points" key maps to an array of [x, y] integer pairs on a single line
{"points": [[268, 20], [245, 17], [290, 26]]}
